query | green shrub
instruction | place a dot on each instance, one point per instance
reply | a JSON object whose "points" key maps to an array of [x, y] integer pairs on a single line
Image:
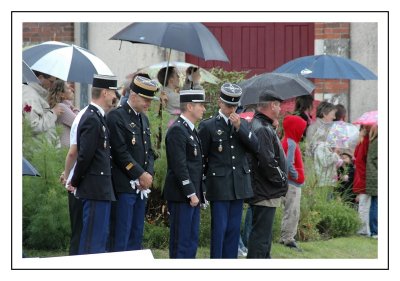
{"points": [[337, 219], [205, 227], [155, 237], [321, 215], [45, 209]]}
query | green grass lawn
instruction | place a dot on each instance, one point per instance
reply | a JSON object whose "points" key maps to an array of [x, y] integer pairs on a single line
{"points": [[354, 247]]}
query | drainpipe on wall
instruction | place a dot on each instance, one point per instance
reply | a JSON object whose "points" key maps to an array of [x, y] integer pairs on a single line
{"points": [[83, 38]]}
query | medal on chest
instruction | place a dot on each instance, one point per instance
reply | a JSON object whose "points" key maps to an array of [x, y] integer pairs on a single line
{"points": [[133, 139], [195, 151], [220, 145]]}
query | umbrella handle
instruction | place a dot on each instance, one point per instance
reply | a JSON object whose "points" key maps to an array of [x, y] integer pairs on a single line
{"points": [[166, 72]]}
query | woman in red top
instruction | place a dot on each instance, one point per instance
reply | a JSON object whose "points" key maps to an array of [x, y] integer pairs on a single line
{"points": [[360, 161]]}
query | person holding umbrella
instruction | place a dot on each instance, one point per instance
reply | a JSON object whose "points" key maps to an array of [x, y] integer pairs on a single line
{"points": [[325, 154], [170, 91], [133, 165], [226, 138], [91, 180], [183, 187], [41, 117], [269, 176], [192, 80]]}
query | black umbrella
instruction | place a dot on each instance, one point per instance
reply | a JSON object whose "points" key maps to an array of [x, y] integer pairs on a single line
{"points": [[189, 37], [285, 85], [28, 169]]}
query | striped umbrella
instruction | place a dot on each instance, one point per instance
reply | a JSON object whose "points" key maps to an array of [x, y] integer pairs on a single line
{"points": [[67, 62]]}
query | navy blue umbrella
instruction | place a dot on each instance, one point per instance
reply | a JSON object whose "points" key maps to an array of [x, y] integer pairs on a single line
{"points": [[327, 67], [28, 169], [189, 37], [27, 74]]}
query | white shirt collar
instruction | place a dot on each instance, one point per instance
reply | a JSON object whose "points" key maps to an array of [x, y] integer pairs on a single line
{"points": [[99, 108], [223, 116], [191, 125], [132, 107]]}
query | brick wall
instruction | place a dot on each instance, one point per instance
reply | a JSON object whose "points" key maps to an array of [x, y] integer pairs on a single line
{"points": [[35, 33], [332, 31]]}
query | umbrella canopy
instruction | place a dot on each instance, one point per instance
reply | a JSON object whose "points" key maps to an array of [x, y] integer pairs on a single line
{"points": [[343, 135], [189, 37], [206, 76], [327, 67], [67, 62], [28, 169], [27, 74], [368, 118], [285, 85]]}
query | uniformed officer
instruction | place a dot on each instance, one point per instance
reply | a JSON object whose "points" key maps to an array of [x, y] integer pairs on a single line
{"points": [[226, 139], [133, 167], [183, 186], [92, 175]]}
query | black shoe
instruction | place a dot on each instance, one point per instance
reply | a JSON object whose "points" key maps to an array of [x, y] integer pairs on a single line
{"points": [[293, 245]]}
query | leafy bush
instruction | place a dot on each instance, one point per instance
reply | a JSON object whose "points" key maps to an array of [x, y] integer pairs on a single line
{"points": [[45, 207], [205, 228], [337, 220], [321, 214], [155, 237]]}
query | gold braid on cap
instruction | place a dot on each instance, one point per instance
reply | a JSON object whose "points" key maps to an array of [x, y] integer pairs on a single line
{"points": [[144, 87]]}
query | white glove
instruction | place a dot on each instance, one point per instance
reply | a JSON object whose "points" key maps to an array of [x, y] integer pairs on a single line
{"points": [[134, 184], [143, 192], [206, 203]]}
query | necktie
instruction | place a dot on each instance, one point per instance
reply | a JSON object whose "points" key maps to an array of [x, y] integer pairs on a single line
{"points": [[140, 119], [195, 133]]}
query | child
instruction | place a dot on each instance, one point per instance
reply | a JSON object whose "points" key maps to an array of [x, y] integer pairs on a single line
{"points": [[346, 178], [293, 127]]}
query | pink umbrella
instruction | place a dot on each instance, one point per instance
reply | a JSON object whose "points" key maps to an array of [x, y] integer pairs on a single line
{"points": [[368, 118]]}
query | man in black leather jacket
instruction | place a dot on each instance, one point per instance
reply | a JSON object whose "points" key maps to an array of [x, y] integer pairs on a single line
{"points": [[269, 175]]}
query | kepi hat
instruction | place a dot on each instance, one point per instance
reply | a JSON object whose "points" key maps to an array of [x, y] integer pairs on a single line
{"points": [[144, 87], [105, 82], [230, 93], [195, 96]]}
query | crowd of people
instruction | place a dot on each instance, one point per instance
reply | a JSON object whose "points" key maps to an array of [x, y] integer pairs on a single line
{"points": [[225, 163]]}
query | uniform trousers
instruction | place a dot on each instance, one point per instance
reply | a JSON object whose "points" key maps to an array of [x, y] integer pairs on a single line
{"points": [[184, 222], [260, 239], [127, 222], [75, 217], [226, 218], [95, 225]]}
